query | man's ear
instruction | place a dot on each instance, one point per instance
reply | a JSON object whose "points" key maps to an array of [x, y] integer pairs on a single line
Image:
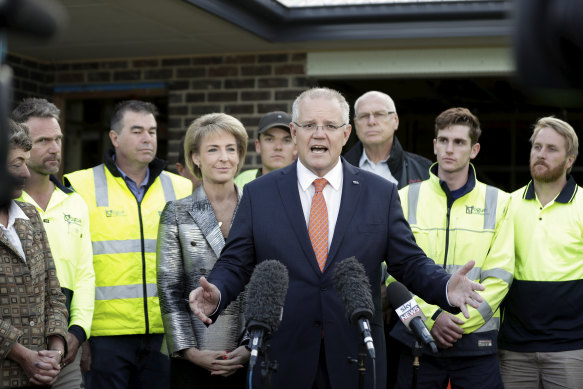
{"points": [[257, 145], [292, 131], [475, 150], [113, 137]]}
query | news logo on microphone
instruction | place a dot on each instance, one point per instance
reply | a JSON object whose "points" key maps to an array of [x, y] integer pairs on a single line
{"points": [[409, 310]]}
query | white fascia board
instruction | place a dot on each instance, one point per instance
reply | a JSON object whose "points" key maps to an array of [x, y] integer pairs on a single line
{"points": [[412, 62]]}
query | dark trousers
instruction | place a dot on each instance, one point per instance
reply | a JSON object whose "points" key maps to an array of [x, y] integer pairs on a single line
{"points": [[394, 350], [186, 375], [471, 372], [128, 362]]}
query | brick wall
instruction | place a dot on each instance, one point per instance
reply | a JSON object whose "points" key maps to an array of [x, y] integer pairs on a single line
{"points": [[31, 78], [245, 86]]}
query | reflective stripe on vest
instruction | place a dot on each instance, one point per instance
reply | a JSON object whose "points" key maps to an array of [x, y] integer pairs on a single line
{"points": [[167, 187], [123, 246], [125, 291], [101, 197], [413, 200], [101, 194], [491, 325], [490, 206]]}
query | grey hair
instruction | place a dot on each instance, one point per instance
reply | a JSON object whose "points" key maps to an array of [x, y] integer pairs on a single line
{"points": [[18, 136], [382, 95], [130, 105], [35, 107], [324, 93]]}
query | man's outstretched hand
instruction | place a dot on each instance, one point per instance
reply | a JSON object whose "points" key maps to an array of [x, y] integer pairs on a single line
{"points": [[462, 291], [204, 300]]}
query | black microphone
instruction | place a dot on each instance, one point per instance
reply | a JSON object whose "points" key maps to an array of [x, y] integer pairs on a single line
{"points": [[40, 18], [410, 313], [265, 299], [353, 287]]}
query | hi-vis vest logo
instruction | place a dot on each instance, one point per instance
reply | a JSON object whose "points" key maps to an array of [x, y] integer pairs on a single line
{"points": [[115, 213], [471, 210], [71, 219]]}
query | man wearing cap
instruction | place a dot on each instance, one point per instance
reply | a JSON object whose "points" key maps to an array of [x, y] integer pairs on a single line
{"points": [[275, 145]]}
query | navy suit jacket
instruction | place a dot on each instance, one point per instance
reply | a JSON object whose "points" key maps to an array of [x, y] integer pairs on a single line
{"points": [[270, 224]]}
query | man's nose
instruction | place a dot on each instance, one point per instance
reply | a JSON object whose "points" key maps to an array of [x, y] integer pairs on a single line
{"points": [[320, 132], [24, 172], [371, 119], [148, 138], [54, 147]]}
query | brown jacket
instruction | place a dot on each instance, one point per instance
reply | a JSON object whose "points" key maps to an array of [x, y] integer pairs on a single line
{"points": [[32, 306]]}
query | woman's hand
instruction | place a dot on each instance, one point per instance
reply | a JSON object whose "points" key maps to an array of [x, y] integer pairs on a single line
{"points": [[232, 361], [203, 358]]}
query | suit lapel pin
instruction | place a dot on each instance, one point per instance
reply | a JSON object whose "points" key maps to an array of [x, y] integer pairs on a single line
{"points": [[356, 182]]}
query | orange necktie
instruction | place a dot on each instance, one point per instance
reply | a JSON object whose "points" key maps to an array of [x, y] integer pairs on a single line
{"points": [[318, 227]]}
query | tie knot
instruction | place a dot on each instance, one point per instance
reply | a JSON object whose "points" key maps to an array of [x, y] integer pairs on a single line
{"points": [[319, 184]]}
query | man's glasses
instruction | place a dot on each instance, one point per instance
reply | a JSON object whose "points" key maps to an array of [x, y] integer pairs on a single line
{"points": [[325, 127], [378, 115]]}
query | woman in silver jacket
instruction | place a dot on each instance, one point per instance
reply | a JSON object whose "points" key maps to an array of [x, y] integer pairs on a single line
{"points": [[191, 235]]}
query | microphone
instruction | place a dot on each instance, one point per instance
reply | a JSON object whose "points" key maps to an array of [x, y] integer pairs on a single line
{"points": [[353, 287], [265, 299], [40, 18], [410, 313]]}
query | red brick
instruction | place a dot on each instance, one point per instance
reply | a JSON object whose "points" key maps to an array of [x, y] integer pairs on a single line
{"points": [[223, 71], [289, 69]]}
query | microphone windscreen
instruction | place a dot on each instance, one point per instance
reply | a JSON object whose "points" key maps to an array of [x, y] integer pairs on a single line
{"points": [[353, 286], [398, 294], [266, 294], [40, 18]]}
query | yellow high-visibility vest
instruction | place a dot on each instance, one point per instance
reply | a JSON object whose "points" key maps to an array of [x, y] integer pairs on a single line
{"points": [[123, 234], [477, 227]]}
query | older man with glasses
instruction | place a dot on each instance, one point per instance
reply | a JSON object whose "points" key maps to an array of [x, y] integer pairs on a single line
{"points": [[378, 149]]}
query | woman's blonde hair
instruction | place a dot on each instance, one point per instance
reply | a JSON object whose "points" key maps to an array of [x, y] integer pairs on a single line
{"points": [[210, 124]]}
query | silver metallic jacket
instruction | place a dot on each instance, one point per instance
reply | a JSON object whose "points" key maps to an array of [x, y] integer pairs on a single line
{"points": [[189, 243]]}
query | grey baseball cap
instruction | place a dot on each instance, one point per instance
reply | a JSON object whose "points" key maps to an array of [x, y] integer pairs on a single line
{"points": [[274, 119]]}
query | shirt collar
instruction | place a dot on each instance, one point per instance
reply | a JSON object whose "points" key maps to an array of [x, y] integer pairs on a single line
{"points": [[364, 159], [15, 212], [307, 177], [127, 178], [566, 196], [59, 185]]}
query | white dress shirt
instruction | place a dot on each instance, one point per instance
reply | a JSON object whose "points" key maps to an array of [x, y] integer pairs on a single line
{"points": [[332, 194], [14, 212], [381, 168]]}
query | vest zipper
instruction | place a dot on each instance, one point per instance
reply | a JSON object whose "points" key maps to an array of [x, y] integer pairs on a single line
{"points": [[144, 285], [446, 236]]}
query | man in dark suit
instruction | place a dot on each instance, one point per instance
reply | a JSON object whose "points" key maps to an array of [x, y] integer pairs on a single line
{"points": [[364, 219]]}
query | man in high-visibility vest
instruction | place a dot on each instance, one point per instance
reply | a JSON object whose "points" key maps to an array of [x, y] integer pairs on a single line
{"points": [[454, 218], [541, 337], [125, 196], [66, 221]]}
